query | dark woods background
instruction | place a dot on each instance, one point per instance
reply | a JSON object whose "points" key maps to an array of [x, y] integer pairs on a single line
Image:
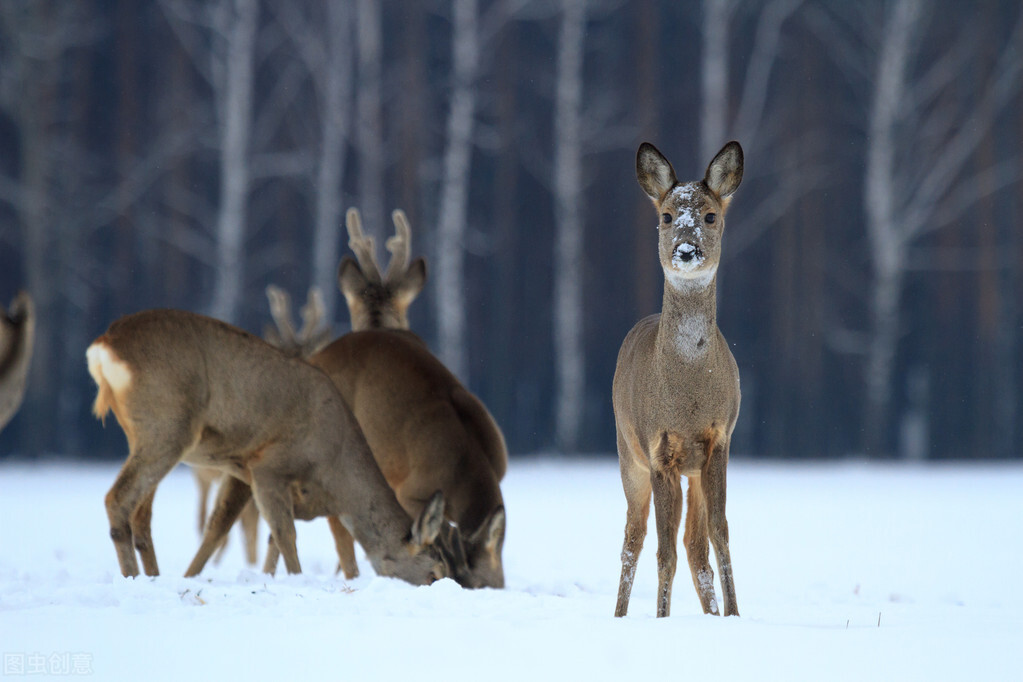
{"points": [[185, 154]]}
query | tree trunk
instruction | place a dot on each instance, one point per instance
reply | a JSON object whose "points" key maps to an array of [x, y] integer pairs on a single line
{"points": [[569, 327], [370, 126], [884, 228], [234, 92], [714, 77], [451, 229], [334, 107]]}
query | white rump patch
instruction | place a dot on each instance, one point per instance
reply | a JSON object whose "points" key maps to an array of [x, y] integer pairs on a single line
{"points": [[103, 364]]}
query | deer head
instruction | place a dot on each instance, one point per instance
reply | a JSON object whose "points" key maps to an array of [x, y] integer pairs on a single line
{"points": [[375, 301], [692, 214]]}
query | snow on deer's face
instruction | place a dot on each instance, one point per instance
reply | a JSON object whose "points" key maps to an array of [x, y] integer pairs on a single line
{"points": [[691, 214], [690, 233]]}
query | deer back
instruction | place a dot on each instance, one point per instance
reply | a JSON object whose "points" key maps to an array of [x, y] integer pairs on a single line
{"points": [[427, 433], [17, 334]]}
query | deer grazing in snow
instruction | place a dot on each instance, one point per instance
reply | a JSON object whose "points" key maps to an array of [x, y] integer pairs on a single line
{"points": [[311, 337], [17, 333], [185, 387], [676, 387], [425, 429]]}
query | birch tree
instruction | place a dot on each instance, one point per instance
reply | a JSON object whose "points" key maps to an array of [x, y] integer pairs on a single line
{"points": [[37, 42], [454, 201], [917, 178], [735, 106], [569, 320], [226, 61], [369, 135], [323, 40], [923, 132]]}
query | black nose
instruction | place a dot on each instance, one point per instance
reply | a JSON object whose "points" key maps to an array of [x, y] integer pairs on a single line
{"points": [[687, 252]]}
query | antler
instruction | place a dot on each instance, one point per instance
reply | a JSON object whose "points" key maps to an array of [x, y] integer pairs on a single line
{"points": [[280, 310], [362, 245], [312, 337], [400, 245]]}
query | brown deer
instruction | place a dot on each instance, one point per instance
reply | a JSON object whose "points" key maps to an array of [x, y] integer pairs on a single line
{"points": [[676, 387], [311, 337], [17, 333], [185, 387], [425, 429]]}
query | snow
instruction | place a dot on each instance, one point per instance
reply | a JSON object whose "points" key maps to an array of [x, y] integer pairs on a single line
{"points": [[843, 572]]}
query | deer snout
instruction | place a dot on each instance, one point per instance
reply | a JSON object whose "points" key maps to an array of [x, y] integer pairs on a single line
{"points": [[687, 253]]}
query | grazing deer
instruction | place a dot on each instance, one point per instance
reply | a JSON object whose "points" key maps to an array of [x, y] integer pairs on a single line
{"points": [[676, 387], [312, 336], [185, 387], [17, 332], [425, 429]]}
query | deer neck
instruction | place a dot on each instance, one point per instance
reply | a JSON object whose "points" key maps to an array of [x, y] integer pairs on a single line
{"points": [[688, 325]]}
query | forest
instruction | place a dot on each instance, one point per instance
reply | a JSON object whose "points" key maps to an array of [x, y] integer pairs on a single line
{"points": [[188, 153]]}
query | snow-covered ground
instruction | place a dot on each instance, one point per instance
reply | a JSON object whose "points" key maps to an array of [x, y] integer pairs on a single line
{"points": [[843, 572]]}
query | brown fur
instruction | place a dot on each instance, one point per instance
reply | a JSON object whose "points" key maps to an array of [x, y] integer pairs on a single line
{"points": [[425, 429], [427, 433], [17, 335], [676, 387], [209, 394], [311, 337]]}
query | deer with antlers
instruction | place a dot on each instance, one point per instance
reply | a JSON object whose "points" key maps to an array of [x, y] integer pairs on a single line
{"points": [[426, 431], [185, 387], [17, 333], [676, 387], [311, 337]]}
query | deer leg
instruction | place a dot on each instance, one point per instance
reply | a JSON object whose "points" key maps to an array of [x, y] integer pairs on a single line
{"points": [[142, 471], [233, 495], [697, 549], [345, 545], [667, 491], [636, 483], [714, 481], [250, 530], [142, 535], [273, 555], [204, 498], [275, 505]]}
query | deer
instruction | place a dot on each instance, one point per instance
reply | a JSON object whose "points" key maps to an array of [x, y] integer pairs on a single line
{"points": [[17, 333], [311, 337], [426, 431], [676, 392], [185, 387]]}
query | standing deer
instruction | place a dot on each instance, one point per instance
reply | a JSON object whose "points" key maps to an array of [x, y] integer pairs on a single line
{"points": [[17, 333], [312, 336], [426, 431], [185, 387], [676, 387]]}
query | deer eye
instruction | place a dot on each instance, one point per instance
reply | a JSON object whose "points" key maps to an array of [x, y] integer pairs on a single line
{"points": [[710, 218], [666, 217]]}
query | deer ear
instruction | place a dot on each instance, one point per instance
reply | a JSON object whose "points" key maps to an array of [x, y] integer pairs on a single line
{"points": [[350, 278], [412, 282], [493, 539], [427, 527], [725, 172], [654, 172]]}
